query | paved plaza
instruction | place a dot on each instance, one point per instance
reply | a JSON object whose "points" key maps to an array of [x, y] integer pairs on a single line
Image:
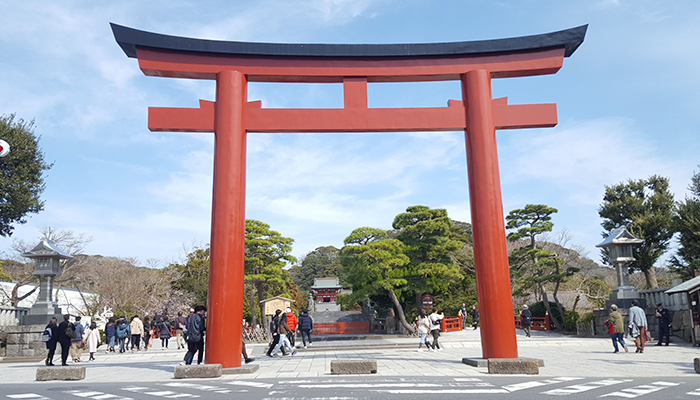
{"points": [[564, 356]]}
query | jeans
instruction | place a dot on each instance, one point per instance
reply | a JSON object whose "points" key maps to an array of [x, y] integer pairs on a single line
{"points": [[122, 342], [618, 337], [436, 335], [111, 342], [305, 334], [283, 342]]}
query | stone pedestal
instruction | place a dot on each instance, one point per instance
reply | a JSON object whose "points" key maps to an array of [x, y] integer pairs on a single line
{"points": [[25, 341], [60, 373]]}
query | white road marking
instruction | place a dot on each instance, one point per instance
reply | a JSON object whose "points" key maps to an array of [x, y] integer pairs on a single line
{"points": [[584, 388], [467, 379], [251, 384], [641, 390], [206, 388], [167, 394], [532, 384], [442, 391], [26, 396], [95, 395], [695, 392]]}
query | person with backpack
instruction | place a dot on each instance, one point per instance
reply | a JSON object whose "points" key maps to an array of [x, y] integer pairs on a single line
{"points": [[123, 332], [50, 337], [196, 327], [274, 324], [164, 331], [66, 333], [435, 322], [76, 344], [283, 331]]}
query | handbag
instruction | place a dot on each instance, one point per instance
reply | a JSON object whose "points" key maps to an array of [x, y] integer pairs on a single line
{"points": [[611, 327]]}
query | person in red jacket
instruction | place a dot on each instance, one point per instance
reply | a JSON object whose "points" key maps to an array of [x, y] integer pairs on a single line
{"points": [[292, 322]]}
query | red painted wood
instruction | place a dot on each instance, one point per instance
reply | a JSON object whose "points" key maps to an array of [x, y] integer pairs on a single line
{"points": [[490, 255], [270, 69], [223, 344]]}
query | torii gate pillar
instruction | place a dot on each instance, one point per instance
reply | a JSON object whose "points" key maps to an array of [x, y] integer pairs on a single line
{"points": [[233, 64]]}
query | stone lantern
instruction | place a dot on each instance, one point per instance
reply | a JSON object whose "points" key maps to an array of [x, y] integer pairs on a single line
{"points": [[47, 261], [619, 244]]}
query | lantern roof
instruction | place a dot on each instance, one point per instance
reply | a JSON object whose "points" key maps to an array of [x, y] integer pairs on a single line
{"points": [[620, 236], [47, 249]]}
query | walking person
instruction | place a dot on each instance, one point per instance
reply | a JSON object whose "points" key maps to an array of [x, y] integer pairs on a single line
{"points": [[66, 333], [110, 334], [475, 317], [51, 341], [180, 322], [76, 344], [164, 331], [283, 330], [123, 333], [306, 325], [638, 325], [136, 328], [462, 312], [274, 324], [423, 324], [526, 319], [92, 339], [292, 322], [195, 328], [663, 316], [435, 321], [616, 325], [148, 330]]}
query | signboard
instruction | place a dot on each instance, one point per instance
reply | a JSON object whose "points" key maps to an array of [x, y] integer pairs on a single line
{"points": [[427, 302], [4, 148]]}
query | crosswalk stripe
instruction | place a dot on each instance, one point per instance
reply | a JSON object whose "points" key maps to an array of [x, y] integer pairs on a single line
{"points": [[695, 392], [252, 384], [206, 388], [641, 390], [442, 391], [529, 385], [586, 387], [167, 393], [26, 396]]}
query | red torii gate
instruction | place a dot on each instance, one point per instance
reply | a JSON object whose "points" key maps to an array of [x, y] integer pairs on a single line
{"points": [[234, 64]]}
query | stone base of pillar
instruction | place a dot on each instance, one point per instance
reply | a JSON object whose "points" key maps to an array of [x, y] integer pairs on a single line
{"points": [[25, 341], [501, 365]]}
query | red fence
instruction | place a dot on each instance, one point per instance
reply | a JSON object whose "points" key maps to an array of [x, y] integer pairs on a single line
{"points": [[335, 328], [451, 324], [538, 323]]}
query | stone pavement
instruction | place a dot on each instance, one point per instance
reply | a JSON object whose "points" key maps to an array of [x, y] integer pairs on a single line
{"points": [[565, 356]]}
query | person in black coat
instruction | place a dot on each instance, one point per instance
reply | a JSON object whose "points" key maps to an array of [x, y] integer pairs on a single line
{"points": [[306, 325], [274, 325], [53, 341], [664, 318], [63, 339]]}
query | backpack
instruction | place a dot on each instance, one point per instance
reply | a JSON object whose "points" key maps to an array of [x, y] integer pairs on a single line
{"points": [[46, 336], [70, 332]]}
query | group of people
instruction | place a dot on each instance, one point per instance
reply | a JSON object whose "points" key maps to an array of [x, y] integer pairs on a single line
{"points": [[474, 313], [284, 326], [638, 326], [429, 324], [120, 334]]}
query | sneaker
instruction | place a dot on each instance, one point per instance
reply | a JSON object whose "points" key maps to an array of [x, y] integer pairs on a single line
{"points": [[304, 346], [310, 343], [249, 360], [626, 349], [182, 363], [616, 351], [294, 353]]}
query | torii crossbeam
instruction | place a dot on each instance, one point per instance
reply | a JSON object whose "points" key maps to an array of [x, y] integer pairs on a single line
{"points": [[234, 64]]}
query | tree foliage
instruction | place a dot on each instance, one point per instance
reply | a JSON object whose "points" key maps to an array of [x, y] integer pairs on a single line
{"points": [[266, 253], [21, 173], [430, 247], [645, 206], [686, 222], [322, 262], [532, 266], [192, 276], [373, 265]]}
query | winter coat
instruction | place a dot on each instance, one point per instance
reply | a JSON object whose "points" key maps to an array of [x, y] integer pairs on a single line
{"points": [[195, 324], [305, 322], [423, 324], [92, 338], [62, 332], [123, 330], [616, 319], [638, 317], [292, 321], [79, 332], [164, 329], [526, 317], [136, 327], [274, 324], [110, 330], [180, 322], [283, 329]]}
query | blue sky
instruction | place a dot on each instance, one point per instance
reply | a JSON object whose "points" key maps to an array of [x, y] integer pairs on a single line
{"points": [[628, 103]]}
